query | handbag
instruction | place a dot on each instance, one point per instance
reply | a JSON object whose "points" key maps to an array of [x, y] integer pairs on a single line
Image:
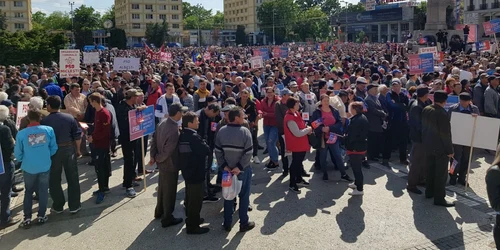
{"points": [[314, 141]]}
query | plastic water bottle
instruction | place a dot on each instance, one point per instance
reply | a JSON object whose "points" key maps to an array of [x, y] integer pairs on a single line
{"points": [[214, 166]]}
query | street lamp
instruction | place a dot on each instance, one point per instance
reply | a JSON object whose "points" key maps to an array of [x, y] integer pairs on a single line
{"points": [[274, 13], [72, 17], [346, 34]]}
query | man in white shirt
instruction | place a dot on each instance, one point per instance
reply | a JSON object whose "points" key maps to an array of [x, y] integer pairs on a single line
{"points": [[165, 101]]}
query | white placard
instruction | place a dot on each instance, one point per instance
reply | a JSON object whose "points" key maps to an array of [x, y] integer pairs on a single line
{"points": [[126, 64], [90, 58], [257, 62], [69, 63], [22, 111], [486, 135], [432, 50], [305, 116]]}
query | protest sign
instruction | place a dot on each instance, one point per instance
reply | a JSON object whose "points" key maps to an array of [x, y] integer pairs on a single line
{"points": [[453, 99], [256, 62], [432, 50], [69, 63], [126, 64], [485, 131], [165, 56], [422, 63], [472, 31], [491, 27], [2, 167], [22, 111], [284, 52], [264, 52], [206, 56], [276, 52], [483, 46], [141, 123], [90, 57]]}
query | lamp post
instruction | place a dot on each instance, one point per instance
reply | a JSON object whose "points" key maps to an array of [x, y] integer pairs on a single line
{"points": [[72, 17], [346, 34], [274, 35]]}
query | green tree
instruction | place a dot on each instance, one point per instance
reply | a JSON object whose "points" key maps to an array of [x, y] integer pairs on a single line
{"points": [[420, 16], [38, 17], [108, 15], [359, 7], [3, 21], [240, 35], [285, 12], [157, 33], [218, 20], [118, 39], [312, 23], [198, 18], [360, 37], [85, 20], [57, 20]]}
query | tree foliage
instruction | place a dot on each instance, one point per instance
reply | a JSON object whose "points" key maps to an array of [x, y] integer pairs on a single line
{"points": [[3, 21], [118, 39], [197, 17], [108, 15], [312, 23], [240, 35], [86, 19], [157, 33], [57, 20], [420, 16], [31, 46], [285, 14]]}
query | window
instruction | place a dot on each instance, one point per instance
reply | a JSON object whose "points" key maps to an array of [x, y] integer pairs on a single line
{"points": [[18, 4], [149, 16], [2, 3], [163, 17], [135, 6], [175, 17], [19, 26], [18, 14], [175, 7], [136, 16], [175, 26], [149, 6], [163, 7], [136, 26]]}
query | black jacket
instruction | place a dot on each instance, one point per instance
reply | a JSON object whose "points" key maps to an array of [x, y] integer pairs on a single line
{"points": [[250, 109], [357, 134], [436, 130], [205, 128], [7, 143], [415, 122], [123, 124], [193, 152], [493, 187]]}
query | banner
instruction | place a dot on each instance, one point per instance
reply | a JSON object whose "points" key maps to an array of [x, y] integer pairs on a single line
{"points": [[422, 63], [432, 50], [256, 52], [126, 64], [472, 31], [264, 52], [165, 56], [69, 63], [141, 123], [452, 99], [90, 58], [284, 52], [485, 132], [491, 27], [22, 111], [256, 62], [276, 52], [206, 56], [483, 46]]}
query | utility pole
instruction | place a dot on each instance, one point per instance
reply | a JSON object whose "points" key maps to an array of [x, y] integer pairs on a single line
{"points": [[346, 34], [72, 26], [274, 39]]}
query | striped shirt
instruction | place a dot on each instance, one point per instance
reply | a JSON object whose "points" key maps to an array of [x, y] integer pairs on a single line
{"points": [[233, 147]]}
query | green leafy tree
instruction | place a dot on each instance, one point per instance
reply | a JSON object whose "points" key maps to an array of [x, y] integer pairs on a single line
{"points": [[3, 21], [286, 14], [157, 33], [312, 23], [218, 20], [118, 39], [240, 35], [360, 37], [359, 7], [57, 20], [108, 15], [198, 17], [420, 16], [86, 19]]}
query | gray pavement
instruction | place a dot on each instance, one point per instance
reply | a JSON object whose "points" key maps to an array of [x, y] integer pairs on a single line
{"points": [[323, 216]]}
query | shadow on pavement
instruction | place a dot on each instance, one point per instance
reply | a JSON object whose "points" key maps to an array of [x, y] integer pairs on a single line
{"points": [[351, 220]]}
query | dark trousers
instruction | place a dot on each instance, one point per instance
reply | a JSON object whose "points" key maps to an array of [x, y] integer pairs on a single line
{"points": [[396, 137], [376, 143], [6, 180], [128, 150], [496, 232], [417, 166], [193, 203], [296, 168], [462, 155], [356, 162], [64, 158], [103, 168], [167, 192], [137, 157], [255, 141], [112, 144], [208, 173], [437, 174], [284, 159]]}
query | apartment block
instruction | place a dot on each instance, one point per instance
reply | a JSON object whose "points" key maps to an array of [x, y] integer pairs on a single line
{"points": [[133, 16], [243, 12], [480, 11], [17, 13]]}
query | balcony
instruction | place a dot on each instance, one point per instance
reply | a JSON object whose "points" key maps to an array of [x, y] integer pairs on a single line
{"points": [[495, 5], [483, 6], [471, 8]]}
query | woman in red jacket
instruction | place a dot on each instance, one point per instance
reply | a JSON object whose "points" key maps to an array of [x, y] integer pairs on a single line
{"points": [[296, 142], [270, 128]]}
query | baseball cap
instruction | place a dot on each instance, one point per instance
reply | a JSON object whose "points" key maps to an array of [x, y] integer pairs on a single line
{"points": [[464, 96], [370, 86], [227, 107], [396, 71], [293, 84], [286, 92], [343, 93], [132, 93], [7, 103], [396, 81], [361, 80], [177, 107]]}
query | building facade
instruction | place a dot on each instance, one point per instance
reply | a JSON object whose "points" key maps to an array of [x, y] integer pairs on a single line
{"points": [[243, 12], [382, 25], [133, 16], [212, 37], [480, 11], [17, 13]]}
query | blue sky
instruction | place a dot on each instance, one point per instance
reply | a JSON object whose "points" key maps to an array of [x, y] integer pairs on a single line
{"points": [[49, 6]]}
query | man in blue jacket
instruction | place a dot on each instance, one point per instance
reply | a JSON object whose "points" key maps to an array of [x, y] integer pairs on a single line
{"points": [[397, 105], [35, 145]]}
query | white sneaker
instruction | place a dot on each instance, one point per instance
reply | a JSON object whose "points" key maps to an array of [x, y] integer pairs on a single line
{"points": [[355, 192], [256, 160], [352, 186]]}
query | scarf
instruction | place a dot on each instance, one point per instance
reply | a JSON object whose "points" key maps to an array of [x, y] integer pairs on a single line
{"points": [[202, 93]]}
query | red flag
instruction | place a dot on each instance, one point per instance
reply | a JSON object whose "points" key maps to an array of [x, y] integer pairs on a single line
{"points": [[162, 48]]}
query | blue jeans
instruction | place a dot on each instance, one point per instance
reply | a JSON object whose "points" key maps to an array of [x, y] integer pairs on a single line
{"points": [[271, 135], [246, 178], [31, 181], [335, 152], [5, 187]]}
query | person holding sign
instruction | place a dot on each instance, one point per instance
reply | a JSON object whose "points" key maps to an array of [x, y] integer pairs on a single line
{"points": [[436, 137], [328, 131], [462, 153]]}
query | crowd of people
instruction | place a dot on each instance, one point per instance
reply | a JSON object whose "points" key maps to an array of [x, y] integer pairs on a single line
{"points": [[357, 103]]}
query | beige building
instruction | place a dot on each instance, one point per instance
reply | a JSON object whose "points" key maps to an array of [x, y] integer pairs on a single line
{"points": [[242, 12], [133, 16], [17, 13]]}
